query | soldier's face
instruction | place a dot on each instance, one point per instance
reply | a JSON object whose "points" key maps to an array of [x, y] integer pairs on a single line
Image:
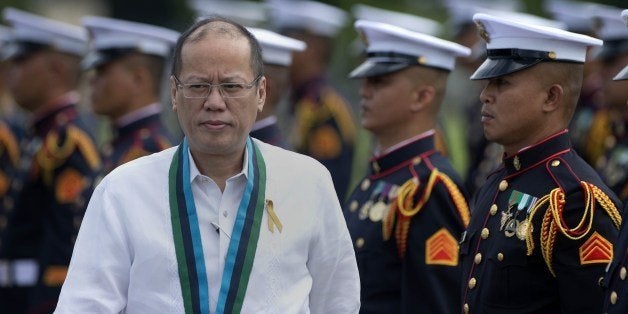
{"points": [[217, 125], [385, 102], [512, 112], [111, 89], [29, 77]]}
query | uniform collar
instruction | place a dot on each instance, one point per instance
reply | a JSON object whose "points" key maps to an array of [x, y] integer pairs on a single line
{"points": [[402, 154], [538, 153], [135, 115]]}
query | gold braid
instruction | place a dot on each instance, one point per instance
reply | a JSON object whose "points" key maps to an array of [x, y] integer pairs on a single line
{"points": [[553, 222], [457, 197]]}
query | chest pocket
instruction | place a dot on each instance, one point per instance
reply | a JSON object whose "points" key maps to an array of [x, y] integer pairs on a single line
{"points": [[508, 282]]}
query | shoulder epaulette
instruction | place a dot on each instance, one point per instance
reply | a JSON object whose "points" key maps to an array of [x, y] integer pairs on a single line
{"points": [[337, 108], [411, 198], [8, 142], [552, 222], [56, 151]]}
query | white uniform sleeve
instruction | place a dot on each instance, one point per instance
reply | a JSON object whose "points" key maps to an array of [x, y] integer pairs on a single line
{"points": [[98, 276], [331, 260]]}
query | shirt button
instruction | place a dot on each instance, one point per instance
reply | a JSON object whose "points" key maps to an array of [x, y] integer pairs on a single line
{"points": [[225, 213], [478, 258], [503, 185], [493, 209], [622, 273], [485, 233], [613, 297], [500, 257], [472, 283], [466, 308]]}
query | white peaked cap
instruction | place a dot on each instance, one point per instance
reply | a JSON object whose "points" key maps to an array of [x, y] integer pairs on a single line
{"points": [[276, 49], [391, 48], [247, 13], [27, 28], [316, 17], [513, 46], [408, 21], [108, 34]]}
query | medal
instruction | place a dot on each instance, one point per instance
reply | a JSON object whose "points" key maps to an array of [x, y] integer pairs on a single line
{"points": [[511, 227], [522, 229], [364, 211], [378, 210]]}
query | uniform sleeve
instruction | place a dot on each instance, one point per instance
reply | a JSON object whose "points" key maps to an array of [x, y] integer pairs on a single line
{"points": [[331, 261], [98, 276], [580, 263], [431, 272]]}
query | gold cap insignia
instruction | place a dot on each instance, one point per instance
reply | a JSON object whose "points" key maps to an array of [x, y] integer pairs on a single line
{"points": [[421, 60], [482, 32]]}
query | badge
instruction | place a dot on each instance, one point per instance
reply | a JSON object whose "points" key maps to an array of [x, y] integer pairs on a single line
{"points": [[378, 211], [364, 211], [517, 163], [441, 249], [596, 250], [522, 229]]}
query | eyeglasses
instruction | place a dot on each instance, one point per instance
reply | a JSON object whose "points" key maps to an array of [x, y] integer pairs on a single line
{"points": [[227, 90]]}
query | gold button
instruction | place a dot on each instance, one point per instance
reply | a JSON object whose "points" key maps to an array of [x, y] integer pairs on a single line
{"points": [[500, 257], [359, 243], [466, 308], [472, 283], [365, 184], [555, 163], [376, 166], [493, 209], [353, 206], [485, 233], [613, 297], [503, 185], [416, 160], [478, 258], [622, 273]]}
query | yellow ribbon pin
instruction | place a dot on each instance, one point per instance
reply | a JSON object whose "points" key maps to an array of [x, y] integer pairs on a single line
{"points": [[273, 220]]}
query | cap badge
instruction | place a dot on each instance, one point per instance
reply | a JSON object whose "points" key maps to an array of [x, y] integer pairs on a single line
{"points": [[517, 163], [363, 37], [421, 60], [552, 55], [482, 32]]}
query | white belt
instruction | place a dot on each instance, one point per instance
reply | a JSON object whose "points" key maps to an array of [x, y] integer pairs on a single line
{"points": [[19, 272]]}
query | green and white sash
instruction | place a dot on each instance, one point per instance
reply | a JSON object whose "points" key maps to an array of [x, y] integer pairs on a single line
{"points": [[187, 235]]}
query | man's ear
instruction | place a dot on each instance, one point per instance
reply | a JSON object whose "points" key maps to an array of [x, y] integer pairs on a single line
{"points": [[422, 97], [261, 93], [555, 94], [173, 93]]}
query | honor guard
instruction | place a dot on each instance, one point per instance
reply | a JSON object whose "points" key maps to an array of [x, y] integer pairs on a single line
{"points": [[544, 223], [609, 128], [129, 60], [277, 56], [41, 212], [616, 296], [323, 125], [406, 215]]}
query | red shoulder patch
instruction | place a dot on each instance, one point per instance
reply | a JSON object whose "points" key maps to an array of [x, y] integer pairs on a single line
{"points": [[441, 249]]}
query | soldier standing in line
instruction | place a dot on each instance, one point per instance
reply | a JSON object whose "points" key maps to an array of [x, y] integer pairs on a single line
{"points": [[406, 216], [616, 297], [129, 59], [544, 223], [324, 126], [42, 211], [277, 53]]}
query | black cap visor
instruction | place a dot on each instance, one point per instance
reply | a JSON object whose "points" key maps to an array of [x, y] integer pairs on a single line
{"points": [[622, 75], [370, 68], [492, 68], [20, 49], [97, 58]]}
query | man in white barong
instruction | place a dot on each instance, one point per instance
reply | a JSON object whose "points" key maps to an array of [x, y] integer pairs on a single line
{"points": [[223, 223]]}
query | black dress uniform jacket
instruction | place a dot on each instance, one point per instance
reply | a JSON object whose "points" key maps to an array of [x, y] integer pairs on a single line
{"points": [[43, 209], [615, 283], [416, 271], [540, 236], [139, 138], [324, 129]]}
